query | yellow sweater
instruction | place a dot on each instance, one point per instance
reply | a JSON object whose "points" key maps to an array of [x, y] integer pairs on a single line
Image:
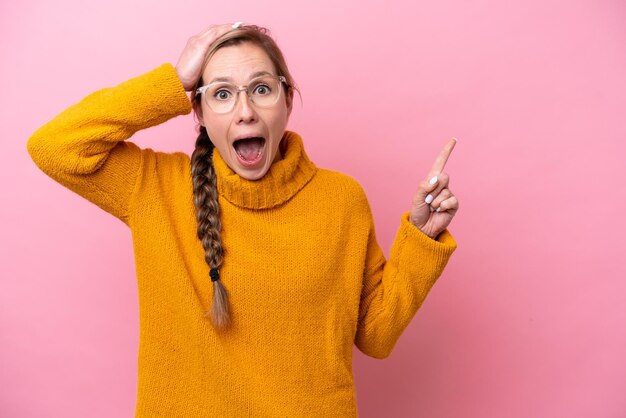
{"points": [[306, 278]]}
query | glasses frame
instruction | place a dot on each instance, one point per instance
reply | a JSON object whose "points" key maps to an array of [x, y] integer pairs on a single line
{"points": [[281, 79]]}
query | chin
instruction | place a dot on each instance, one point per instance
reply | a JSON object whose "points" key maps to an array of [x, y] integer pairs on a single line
{"points": [[251, 177], [253, 174]]}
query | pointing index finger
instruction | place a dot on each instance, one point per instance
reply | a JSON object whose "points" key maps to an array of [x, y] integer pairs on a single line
{"points": [[442, 158]]}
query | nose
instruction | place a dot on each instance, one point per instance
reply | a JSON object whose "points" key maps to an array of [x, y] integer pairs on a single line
{"points": [[244, 111]]}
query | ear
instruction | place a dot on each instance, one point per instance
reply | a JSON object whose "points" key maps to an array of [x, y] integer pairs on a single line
{"points": [[289, 100], [197, 109]]}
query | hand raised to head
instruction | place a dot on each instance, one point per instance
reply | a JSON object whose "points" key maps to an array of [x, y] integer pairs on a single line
{"points": [[189, 65], [434, 205]]}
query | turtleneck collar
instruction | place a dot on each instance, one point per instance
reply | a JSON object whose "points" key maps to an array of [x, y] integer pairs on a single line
{"points": [[284, 179]]}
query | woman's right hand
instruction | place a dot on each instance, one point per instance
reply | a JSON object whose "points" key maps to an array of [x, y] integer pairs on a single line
{"points": [[189, 65]]}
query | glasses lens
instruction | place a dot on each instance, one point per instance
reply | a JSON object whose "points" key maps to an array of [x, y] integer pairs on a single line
{"points": [[264, 91], [220, 97]]}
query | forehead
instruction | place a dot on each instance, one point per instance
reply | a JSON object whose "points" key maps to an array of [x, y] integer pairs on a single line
{"points": [[237, 63]]}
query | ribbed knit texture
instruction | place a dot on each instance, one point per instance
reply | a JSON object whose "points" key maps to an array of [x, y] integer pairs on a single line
{"points": [[306, 278]]}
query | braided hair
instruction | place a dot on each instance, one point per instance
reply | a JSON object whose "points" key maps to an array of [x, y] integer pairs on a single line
{"points": [[205, 200]]}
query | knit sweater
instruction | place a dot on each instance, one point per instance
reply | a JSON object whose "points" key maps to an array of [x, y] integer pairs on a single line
{"points": [[306, 277]]}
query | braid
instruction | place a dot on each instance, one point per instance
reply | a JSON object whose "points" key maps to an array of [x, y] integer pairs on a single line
{"points": [[205, 199]]}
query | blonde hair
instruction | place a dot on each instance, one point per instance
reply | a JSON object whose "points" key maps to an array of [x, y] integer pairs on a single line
{"points": [[204, 180]]}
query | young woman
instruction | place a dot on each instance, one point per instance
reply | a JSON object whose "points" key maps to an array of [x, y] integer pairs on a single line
{"points": [[257, 271]]}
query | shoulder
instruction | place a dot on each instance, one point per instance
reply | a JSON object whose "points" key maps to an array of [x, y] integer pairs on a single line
{"points": [[338, 180], [342, 187]]}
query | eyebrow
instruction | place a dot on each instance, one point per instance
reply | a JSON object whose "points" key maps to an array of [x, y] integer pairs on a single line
{"points": [[254, 75]]}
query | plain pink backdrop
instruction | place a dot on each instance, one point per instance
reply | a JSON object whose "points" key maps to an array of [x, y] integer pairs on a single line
{"points": [[528, 319]]}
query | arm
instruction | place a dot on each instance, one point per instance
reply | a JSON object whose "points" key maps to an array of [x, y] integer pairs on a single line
{"points": [[84, 147], [394, 290]]}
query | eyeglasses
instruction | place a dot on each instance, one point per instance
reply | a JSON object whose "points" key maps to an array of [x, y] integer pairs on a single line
{"points": [[263, 91]]}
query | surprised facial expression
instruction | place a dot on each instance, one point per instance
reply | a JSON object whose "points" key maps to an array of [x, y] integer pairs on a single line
{"points": [[263, 127]]}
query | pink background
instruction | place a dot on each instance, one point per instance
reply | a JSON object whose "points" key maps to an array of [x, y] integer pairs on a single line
{"points": [[528, 320]]}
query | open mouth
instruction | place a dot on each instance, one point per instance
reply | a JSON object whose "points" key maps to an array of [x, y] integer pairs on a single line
{"points": [[249, 150]]}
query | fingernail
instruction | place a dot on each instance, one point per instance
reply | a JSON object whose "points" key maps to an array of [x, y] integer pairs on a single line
{"points": [[433, 180], [429, 199], [236, 25], [438, 209]]}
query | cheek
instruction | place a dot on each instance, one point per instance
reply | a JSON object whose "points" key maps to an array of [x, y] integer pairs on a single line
{"points": [[279, 120], [215, 126]]}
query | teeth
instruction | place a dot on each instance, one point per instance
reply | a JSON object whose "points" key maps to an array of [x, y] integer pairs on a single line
{"points": [[257, 155]]}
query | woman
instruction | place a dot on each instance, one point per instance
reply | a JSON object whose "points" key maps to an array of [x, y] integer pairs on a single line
{"points": [[297, 275]]}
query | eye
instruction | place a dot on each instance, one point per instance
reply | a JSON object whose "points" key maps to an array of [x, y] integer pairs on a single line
{"points": [[222, 94], [262, 90]]}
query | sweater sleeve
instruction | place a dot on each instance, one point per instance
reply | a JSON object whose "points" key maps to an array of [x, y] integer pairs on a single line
{"points": [[84, 147], [394, 289]]}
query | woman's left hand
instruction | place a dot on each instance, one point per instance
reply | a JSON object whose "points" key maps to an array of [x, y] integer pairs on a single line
{"points": [[434, 205]]}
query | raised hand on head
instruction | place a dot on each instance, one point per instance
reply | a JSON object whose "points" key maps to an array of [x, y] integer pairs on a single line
{"points": [[189, 65]]}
